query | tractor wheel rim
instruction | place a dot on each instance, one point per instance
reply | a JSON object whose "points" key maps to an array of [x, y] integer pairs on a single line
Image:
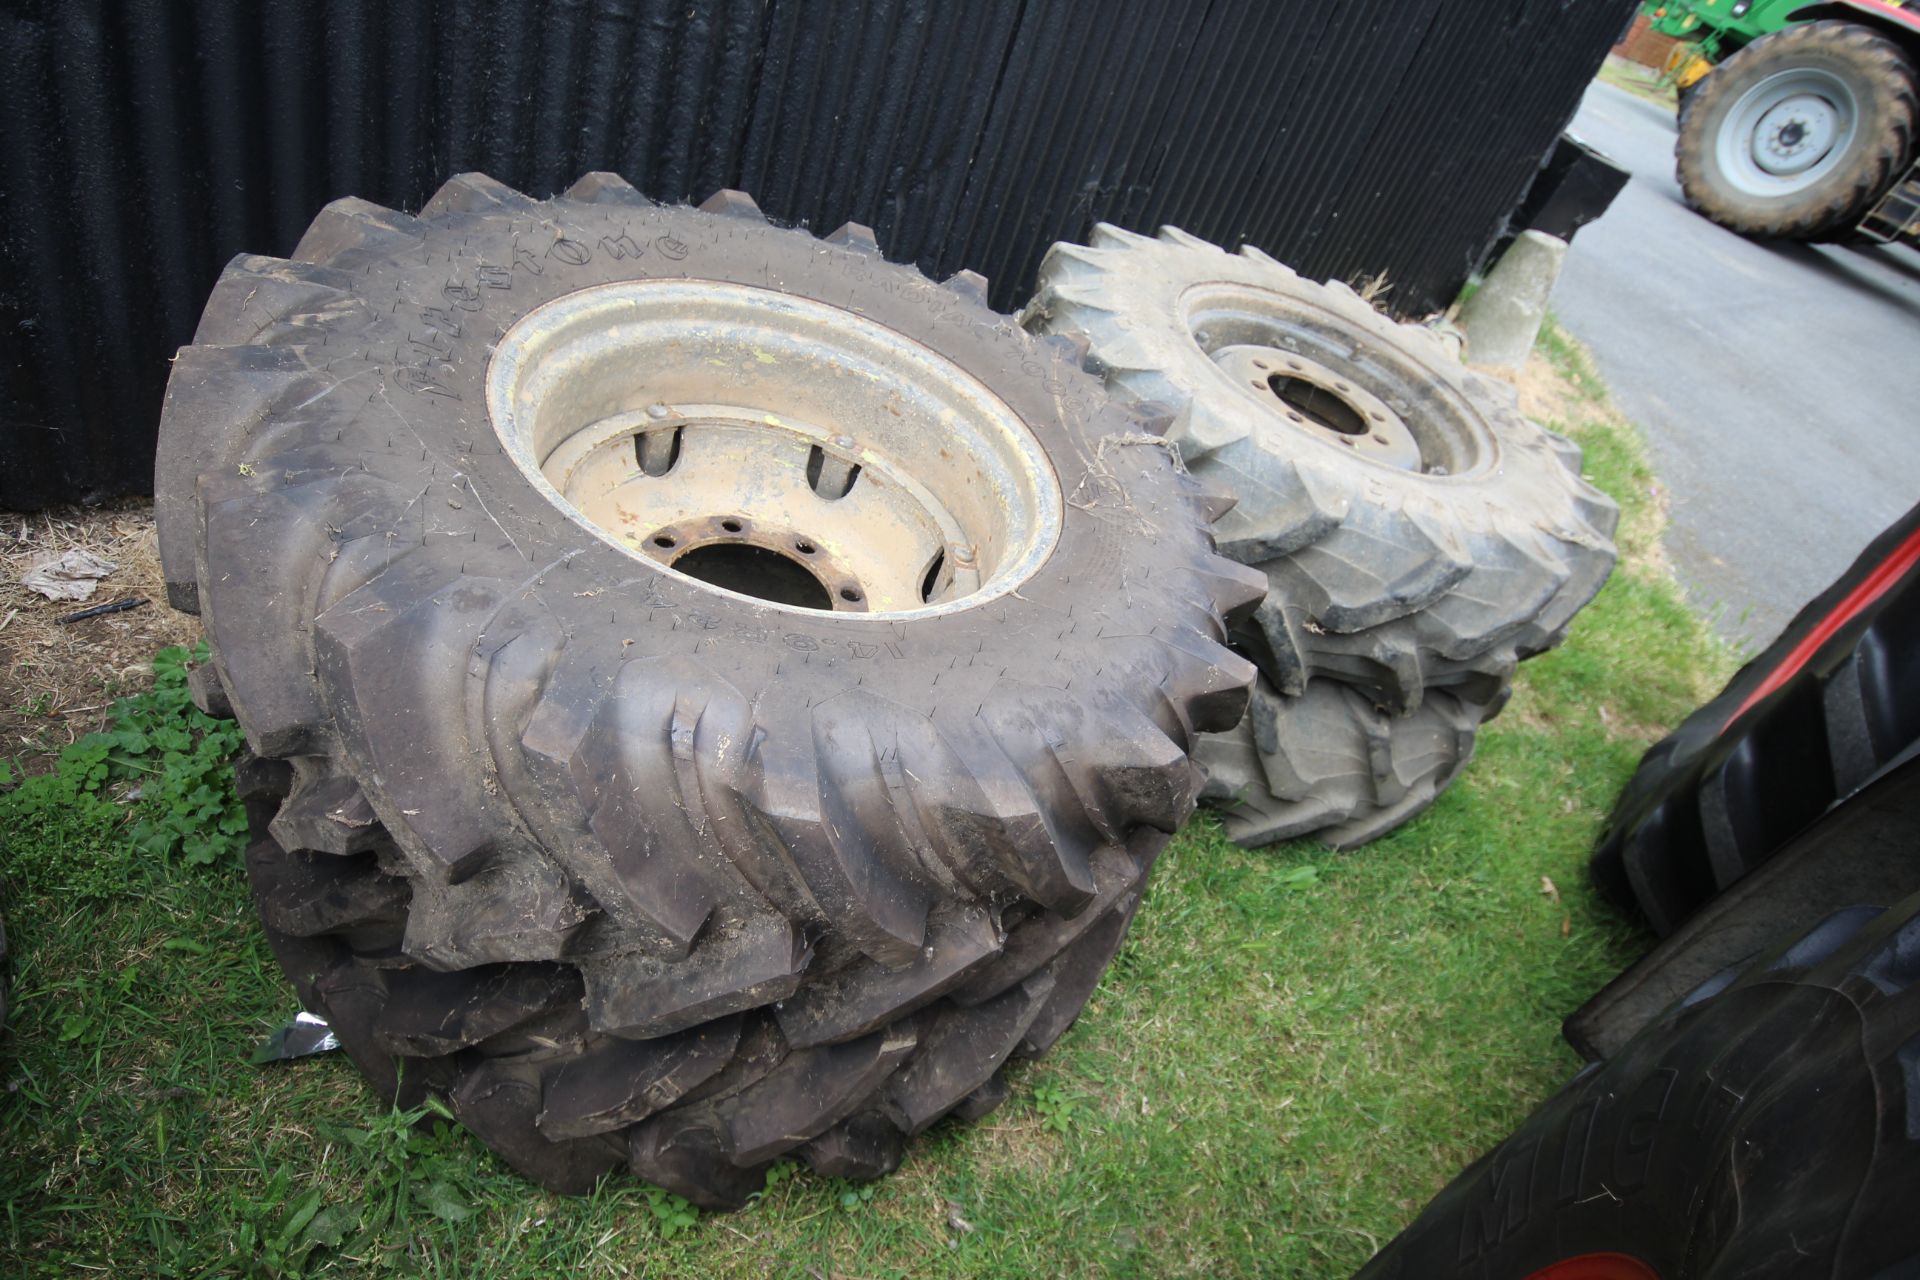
{"points": [[774, 448], [1787, 133], [1310, 370]]}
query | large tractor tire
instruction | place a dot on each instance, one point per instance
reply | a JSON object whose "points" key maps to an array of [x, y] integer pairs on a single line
{"points": [[1417, 530], [714, 694], [1767, 1126], [1331, 764], [1795, 136]]}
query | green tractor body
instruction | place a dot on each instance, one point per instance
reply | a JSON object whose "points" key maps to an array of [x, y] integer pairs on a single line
{"points": [[1723, 25]]}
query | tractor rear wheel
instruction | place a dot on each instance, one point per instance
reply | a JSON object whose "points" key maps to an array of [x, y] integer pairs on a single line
{"points": [[1797, 135]]}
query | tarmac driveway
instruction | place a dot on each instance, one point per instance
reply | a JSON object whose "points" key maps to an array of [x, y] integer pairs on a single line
{"points": [[1778, 384]]}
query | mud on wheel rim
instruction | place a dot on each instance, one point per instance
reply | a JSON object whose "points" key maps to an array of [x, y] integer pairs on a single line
{"points": [[630, 864]]}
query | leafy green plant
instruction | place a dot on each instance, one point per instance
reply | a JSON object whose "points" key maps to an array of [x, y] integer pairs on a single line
{"points": [[285, 1232], [157, 782], [672, 1214], [854, 1196], [407, 1168], [1059, 1110], [1297, 877]]}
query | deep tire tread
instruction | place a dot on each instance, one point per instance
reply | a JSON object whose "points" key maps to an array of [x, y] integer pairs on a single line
{"points": [[644, 905]]}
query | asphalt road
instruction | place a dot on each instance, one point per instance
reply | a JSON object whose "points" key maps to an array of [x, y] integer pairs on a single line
{"points": [[1778, 384]]}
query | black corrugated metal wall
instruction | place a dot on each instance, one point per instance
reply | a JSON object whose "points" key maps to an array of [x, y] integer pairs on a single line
{"points": [[143, 144]]}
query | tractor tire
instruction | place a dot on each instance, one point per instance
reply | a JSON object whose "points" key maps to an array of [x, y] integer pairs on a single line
{"points": [[1767, 1125], [714, 694], [1683, 94], [1417, 531], [1331, 764], [1815, 717], [1795, 136]]}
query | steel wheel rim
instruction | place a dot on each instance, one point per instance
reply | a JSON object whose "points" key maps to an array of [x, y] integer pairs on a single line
{"points": [[1787, 133], [672, 418], [1314, 374]]}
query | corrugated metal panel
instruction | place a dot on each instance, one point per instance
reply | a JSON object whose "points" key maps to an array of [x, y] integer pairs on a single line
{"points": [[147, 141]]}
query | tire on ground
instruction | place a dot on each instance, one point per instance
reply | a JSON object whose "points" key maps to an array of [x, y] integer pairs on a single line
{"points": [[1728, 116], [1331, 763], [1417, 530], [1766, 1125], [628, 867]]}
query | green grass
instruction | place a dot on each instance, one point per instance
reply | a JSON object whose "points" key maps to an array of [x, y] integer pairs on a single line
{"points": [[1294, 1050]]}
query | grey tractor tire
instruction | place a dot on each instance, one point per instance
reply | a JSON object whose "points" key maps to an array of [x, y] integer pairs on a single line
{"points": [[1332, 764], [1390, 578], [1881, 80], [631, 870]]}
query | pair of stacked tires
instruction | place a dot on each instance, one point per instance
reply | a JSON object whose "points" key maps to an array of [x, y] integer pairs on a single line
{"points": [[672, 750], [1420, 536], [713, 695]]}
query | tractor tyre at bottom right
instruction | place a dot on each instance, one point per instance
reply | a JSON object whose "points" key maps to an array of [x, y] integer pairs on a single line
{"points": [[1798, 134], [1768, 1125]]}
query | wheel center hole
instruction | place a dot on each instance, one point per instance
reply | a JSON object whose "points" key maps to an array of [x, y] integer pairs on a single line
{"points": [[1320, 406], [759, 572]]}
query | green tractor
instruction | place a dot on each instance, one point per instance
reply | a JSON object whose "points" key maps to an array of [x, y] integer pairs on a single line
{"points": [[1797, 119]]}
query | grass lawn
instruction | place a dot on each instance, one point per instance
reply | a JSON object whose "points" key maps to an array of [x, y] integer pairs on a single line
{"points": [[1294, 1050]]}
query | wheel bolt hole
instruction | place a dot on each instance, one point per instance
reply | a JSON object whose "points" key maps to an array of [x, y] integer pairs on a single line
{"points": [[850, 595], [664, 540], [731, 526], [804, 547]]}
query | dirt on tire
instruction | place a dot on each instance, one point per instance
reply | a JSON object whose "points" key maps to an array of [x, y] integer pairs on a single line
{"points": [[629, 867]]}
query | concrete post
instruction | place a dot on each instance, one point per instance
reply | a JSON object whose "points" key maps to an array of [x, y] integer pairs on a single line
{"points": [[1503, 318]]}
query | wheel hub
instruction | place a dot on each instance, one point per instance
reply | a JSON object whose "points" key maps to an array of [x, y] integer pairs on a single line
{"points": [[1323, 373], [1795, 135], [775, 448], [1318, 400], [1786, 133], [816, 521]]}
